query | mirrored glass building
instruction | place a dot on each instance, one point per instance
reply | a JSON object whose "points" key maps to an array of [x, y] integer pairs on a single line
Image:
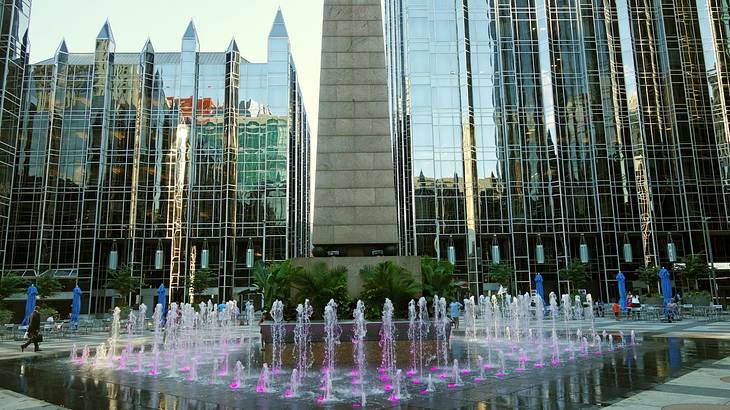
{"points": [[537, 132], [14, 20], [166, 161]]}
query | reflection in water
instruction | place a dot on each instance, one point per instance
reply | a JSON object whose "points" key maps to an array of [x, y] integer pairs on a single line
{"points": [[592, 382]]}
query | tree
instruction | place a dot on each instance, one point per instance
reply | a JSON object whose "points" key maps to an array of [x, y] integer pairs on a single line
{"points": [[47, 285], [438, 278], [577, 273], [648, 275], [123, 282], [319, 284], [204, 278], [274, 281], [11, 284], [501, 273], [692, 267], [387, 280]]}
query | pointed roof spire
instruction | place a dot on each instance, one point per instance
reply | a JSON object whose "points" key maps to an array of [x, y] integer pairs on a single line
{"points": [[191, 33], [106, 32], [147, 48], [62, 48], [232, 46], [278, 29]]}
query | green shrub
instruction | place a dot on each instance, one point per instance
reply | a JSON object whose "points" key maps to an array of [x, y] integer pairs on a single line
{"points": [[6, 316], [501, 273], [319, 284], [387, 280], [438, 279], [697, 298], [275, 281]]}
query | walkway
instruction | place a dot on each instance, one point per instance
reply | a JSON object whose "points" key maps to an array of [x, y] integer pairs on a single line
{"points": [[707, 388]]}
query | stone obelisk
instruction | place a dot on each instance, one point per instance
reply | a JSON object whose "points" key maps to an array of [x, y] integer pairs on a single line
{"points": [[354, 200]]}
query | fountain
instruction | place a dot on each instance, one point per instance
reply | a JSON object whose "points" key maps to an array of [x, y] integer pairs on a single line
{"points": [[332, 338], [293, 385], [387, 342], [277, 336], [359, 330], [302, 339], [238, 374], [205, 341], [264, 383], [441, 322]]}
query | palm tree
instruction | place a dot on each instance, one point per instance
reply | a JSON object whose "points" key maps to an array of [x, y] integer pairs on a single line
{"points": [[274, 281], [438, 278], [387, 280], [319, 284]]}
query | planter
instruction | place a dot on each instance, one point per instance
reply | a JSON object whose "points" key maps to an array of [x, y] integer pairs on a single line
{"points": [[316, 330]]}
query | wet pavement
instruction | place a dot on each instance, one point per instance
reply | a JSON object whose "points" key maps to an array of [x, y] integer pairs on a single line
{"points": [[589, 383]]}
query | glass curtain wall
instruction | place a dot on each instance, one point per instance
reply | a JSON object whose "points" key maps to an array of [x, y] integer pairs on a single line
{"points": [[560, 123], [183, 153]]}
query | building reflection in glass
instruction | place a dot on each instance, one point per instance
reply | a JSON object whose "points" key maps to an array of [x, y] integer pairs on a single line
{"points": [[567, 120], [165, 149]]}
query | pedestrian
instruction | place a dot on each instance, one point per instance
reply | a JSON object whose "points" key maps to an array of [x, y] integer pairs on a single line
{"points": [[628, 305], [616, 309], [455, 312], [636, 307], [34, 327]]}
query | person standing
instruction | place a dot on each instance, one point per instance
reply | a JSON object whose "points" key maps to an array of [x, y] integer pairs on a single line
{"points": [[34, 327], [455, 313]]}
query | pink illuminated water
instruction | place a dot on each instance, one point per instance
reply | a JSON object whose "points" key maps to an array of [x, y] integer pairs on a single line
{"points": [[477, 380], [388, 387], [234, 385], [500, 374], [416, 381], [288, 393], [442, 376], [452, 385]]}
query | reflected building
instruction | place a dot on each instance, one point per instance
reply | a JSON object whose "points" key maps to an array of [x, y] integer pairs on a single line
{"points": [[531, 125], [166, 161], [14, 20]]}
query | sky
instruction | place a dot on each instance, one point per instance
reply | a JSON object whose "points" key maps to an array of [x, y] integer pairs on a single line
{"points": [[164, 21]]}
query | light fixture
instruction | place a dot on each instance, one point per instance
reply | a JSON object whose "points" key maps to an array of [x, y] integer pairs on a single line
{"points": [[671, 250], [249, 254], [113, 256], [204, 255], [495, 251], [583, 249], [159, 254], [628, 252], [451, 251], [539, 251]]}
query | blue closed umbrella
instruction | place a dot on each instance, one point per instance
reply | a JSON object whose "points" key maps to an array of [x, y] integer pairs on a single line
{"points": [[621, 279], [666, 285], [76, 305], [538, 287], [162, 299], [30, 303]]}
